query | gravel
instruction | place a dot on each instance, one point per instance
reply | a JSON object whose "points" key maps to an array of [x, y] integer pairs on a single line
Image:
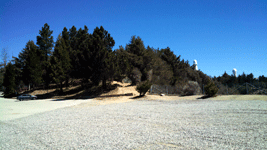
{"points": [[143, 124]]}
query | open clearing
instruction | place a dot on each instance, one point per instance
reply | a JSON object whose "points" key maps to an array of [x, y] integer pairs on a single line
{"points": [[151, 122]]}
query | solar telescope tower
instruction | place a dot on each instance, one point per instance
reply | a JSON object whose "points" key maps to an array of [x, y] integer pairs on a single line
{"points": [[195, 65], [234, 72]]}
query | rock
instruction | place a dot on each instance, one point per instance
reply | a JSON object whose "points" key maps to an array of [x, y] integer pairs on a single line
{"points": [[192, 88]]}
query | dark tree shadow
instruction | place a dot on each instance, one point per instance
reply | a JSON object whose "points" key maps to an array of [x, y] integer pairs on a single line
{"points": [[184, 95], [136, 97], [86, 91], [205, 97], [91, 91]]}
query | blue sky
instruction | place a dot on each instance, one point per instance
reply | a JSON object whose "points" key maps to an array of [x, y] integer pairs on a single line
{"points": [[219, 34]]}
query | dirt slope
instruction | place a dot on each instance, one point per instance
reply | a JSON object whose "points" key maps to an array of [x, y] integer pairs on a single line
{"points": [[123, 88]]}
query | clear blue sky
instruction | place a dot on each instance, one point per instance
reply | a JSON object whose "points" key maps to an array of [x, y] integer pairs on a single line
{"points": [[219, 34]]}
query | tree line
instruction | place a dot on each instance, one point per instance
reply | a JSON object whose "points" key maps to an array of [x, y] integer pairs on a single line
{"points": [[236, 85], [78, 54]]}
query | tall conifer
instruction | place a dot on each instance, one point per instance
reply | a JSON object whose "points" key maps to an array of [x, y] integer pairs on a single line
{"points": [[60, 61], [45, 44], [102, 57], [32, 71], [9, 80]]}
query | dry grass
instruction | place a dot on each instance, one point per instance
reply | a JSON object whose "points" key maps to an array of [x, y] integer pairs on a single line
{"points": [[118, 88]]}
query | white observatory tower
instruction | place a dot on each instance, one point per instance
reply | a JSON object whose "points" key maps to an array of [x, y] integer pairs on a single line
{"points": [[195, 65], [234, 72]]}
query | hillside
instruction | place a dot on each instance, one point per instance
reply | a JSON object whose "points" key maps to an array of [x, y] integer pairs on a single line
{"points": [[76, 92]]}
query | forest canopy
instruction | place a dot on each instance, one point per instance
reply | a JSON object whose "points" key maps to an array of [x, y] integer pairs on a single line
{"points": [[78, 54]]}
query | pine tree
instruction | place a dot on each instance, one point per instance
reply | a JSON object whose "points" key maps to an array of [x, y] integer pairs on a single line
{"points": [[122, 65], [32, 71], [73, 36], [101, 60], [83, 55], [67, 47], [9, 80], [136, 51], [176, 64], [45, 44], [60, 62], [211, 89], [23, 75]]}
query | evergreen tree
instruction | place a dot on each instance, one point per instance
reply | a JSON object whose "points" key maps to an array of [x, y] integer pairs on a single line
{"points": [[60, 61], [242, 78], [102, 57], [250, 78], [45, 44], [136, 46], [162, 72], [262, 79], [32, 71], [225, 78], [67, 47], [18, 72], [136, 51], [122, 65], [73, 50], [24, 58], [9, 80], [22, 74], [175, 63], [211, 89], [83, 55]]}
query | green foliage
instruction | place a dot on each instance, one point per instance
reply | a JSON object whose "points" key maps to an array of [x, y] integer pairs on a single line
{"points": [[162, 72], [139, 57], [60, 61], [211, 89], [45, 41], [67, 47], [74, 73], [136, 46], [236, 85], [143, 87], [31, 68], [102, 58], [45, 44], [81, 55], [9, 80], [179, 67], [122, 64]]}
